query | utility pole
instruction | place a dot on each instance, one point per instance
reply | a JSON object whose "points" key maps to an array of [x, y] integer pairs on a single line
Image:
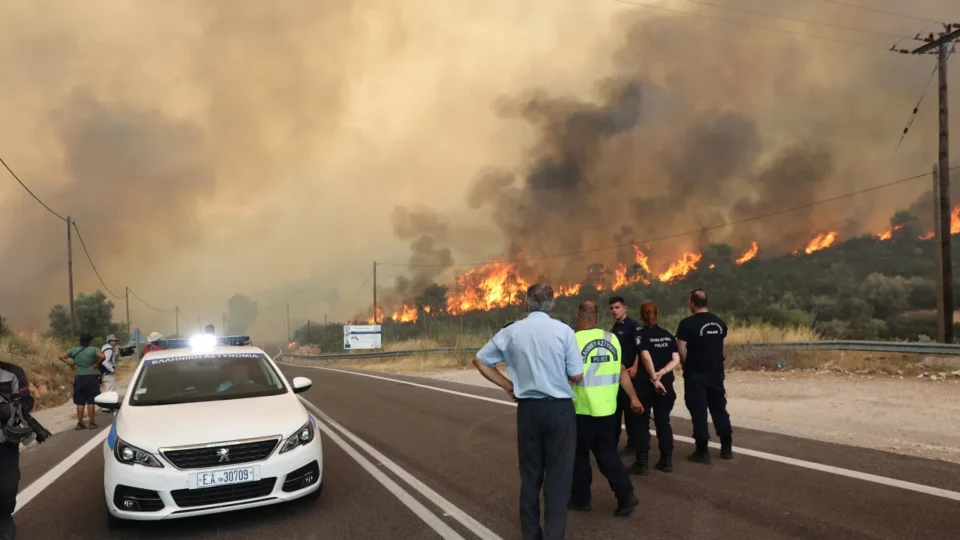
{"points": [[308, 331], [374, 292], [937, 259], [288, 322], [176, 315], [126, 298], [943, 44], [73, 316]]}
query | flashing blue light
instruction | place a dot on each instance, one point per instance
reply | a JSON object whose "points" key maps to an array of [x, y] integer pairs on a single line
{"points": [[184, 343]]}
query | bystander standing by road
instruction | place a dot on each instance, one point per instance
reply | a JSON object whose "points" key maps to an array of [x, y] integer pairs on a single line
{"points": [[85, 361], [542, 359]]}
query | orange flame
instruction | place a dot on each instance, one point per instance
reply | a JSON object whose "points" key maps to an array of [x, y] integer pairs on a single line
{"points": [[888, 234], [641, 259], [682, 267], [494, 286], [371, 320], [569, 290], [928, 236], [713, 265], [955, 220], [822, 241], [406, 314], [750, 254], [426, 309]]}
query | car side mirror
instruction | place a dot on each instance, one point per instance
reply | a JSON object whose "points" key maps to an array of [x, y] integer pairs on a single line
{"points": [[108, 400], [301, 384]]}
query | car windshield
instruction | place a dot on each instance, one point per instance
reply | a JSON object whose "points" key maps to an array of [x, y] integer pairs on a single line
{"points": [[205, 377]]}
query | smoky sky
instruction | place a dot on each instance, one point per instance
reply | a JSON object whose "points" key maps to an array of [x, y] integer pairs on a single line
{"points": [[208, 148]]}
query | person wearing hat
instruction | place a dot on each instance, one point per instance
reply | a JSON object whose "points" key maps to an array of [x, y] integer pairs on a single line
{"points": [[85, 361], [108, 368], [151, 342]]}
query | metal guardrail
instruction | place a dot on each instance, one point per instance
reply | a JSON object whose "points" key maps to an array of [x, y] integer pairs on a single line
{"points": [[864, 346]]}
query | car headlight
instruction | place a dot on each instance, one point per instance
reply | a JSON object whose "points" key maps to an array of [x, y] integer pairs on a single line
{"points": [[131, 455], [303, 436]]}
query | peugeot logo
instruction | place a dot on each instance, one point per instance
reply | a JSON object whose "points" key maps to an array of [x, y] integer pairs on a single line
{"points": [[223, 454]]}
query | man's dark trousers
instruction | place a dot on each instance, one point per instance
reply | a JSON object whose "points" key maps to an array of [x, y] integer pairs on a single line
{"points": [[9, 479], [661, 406], [595, 434], [631, 420], [703, 394], [546, 443]]}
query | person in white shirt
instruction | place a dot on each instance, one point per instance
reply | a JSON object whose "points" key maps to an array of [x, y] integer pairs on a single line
{"points": [[108, 367]]}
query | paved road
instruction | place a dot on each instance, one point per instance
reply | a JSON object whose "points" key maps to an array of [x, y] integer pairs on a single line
{"points": [[454, 457]]}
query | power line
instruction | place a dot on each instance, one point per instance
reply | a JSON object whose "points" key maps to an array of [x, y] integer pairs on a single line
{"points": [[144, 302], [881, 11], [676, 235], [916, 108], [749, 25], [796, 19], [90, 260], [32, 194], [357, 295]]}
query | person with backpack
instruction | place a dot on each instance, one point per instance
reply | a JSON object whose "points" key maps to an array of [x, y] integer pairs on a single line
{"points": [[85, 361]]}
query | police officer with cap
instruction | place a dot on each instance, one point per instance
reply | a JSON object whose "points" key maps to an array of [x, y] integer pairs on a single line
{"points": [[700, 342], [14, 387]]}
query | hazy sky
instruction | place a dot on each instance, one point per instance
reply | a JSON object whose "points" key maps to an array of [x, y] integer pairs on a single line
{"points": [[213, 147]]}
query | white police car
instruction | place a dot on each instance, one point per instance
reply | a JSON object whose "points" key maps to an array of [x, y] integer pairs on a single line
{"points": [[208, 425]]}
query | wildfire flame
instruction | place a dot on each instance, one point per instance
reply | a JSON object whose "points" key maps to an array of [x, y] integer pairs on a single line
{"points": [[955, 220], [750, 254], [822, 241], [371, 320], [641, 259], [493, 286], [569, 290], [888, 234], [406, 314], [682, 267]]}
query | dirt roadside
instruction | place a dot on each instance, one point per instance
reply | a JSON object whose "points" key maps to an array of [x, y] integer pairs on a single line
{"points": [[902, 415]]}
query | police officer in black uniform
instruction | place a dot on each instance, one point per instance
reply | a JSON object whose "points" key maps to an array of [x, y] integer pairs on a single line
{"points": [[700, 341], [627, 331], [659, 357], [13, 386]]}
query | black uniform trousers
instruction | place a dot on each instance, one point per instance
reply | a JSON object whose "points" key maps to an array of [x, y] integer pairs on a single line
{"points": [[631, 420], [546, 443], [595, 434], [704, 394], [661, 406], [9, 480]]}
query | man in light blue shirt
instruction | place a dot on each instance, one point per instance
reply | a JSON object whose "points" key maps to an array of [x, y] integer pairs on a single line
{"points": [[542, 359]]}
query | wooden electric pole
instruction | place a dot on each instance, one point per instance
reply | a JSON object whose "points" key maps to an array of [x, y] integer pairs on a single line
{"points": [[374, 292], [126, 298], [942, 45], [176, 315], [73, 316]]}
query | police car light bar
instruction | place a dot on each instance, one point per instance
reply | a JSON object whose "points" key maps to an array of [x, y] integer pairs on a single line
{"points": [[192, 342]]}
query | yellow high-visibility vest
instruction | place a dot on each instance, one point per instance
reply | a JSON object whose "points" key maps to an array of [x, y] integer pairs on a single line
{"points": [[596, 393]]}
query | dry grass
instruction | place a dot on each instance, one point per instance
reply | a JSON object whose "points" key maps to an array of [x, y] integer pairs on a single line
{"points": [[765, 333], [746, 358], [51, 382]]}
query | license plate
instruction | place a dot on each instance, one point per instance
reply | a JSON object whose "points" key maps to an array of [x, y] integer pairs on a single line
{"points": [[225, 477]]}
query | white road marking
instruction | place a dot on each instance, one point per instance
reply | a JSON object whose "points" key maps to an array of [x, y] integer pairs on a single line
{"points": [[428, 517], [59, 470], [867, 477], [448, 507]]}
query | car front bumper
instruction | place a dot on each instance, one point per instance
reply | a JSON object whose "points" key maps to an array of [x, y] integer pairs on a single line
{"points": [[136, 492]]}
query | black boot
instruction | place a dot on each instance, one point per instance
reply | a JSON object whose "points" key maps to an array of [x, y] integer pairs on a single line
{"points": [[701, 454], [666, 462], [626, 505], [641, 466], [726, 447]]}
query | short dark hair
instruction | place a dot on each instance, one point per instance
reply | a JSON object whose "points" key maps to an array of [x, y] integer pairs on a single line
{"points": [[85, 339], [588, 311], [698, 298], [617, 299]]}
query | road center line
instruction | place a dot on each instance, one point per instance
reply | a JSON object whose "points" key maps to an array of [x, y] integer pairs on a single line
{"points": [[428, 517], [839, 471], [448, 507]]}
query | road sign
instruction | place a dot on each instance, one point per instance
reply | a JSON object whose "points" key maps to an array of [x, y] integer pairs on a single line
{"points": [[361, 336]]}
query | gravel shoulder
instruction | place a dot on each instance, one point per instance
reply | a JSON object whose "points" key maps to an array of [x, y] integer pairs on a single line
{"points": [[903, 415]]}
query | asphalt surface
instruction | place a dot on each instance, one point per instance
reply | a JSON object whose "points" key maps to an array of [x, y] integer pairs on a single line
{"points": [[465, 450]]}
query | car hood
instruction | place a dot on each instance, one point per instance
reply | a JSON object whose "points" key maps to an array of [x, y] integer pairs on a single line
{"points": [[159, 426]]}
